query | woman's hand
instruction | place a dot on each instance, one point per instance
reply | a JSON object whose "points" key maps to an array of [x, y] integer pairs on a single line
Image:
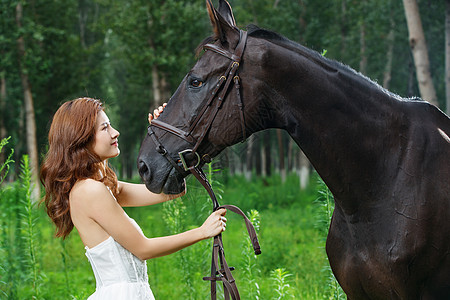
{"points": [[156, 113], [214, 224]]}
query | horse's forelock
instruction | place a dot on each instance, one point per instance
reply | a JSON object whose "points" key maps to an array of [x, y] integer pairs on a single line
{"points": [[208, 40]]}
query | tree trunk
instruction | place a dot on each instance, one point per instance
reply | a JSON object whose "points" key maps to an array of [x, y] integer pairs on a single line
{"points": [[249, 158], [281, 155], [343, 29], [265, 154], [290, 155], [257, 153], [165, 91], [82, 20], [302, 21], [387, 76], [447, 56], [304, 170], [420, 53], [2, 113], [29, 109], [362, 48], [155, 87]]}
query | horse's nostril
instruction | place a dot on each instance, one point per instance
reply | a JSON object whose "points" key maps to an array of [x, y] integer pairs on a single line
{"points": [[143, 169]]}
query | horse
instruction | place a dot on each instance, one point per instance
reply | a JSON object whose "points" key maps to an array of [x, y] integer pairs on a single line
{"points": [[385, 159]]}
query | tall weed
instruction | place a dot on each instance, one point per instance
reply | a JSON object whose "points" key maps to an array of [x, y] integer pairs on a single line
{"points": [[20, 272], [8, 259], [282, 288], [4, 167], [33, 273], [325, 202], [251, 270]]}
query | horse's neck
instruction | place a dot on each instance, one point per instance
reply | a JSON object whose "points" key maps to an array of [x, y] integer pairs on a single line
{"points": [[341, 122]]}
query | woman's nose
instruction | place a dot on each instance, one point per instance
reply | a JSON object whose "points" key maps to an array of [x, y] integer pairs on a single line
{"points": [[115, 133]]}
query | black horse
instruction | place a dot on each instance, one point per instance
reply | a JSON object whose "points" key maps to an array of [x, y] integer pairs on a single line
{"points": [[385, 159]]}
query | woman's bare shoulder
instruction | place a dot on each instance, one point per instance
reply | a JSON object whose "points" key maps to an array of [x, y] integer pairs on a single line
{"points": [[86, 186], [87, 190]]}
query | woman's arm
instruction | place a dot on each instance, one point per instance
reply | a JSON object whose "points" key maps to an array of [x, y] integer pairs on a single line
{"points": [[99, 205], [131, 194], [137, 194]]}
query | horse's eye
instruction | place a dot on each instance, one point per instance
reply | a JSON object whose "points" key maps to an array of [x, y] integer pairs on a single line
{"points": [[196, 83]]}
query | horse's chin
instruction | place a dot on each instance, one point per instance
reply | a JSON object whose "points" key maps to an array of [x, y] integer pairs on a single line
{"points": [[174, 185], [171, 183]]}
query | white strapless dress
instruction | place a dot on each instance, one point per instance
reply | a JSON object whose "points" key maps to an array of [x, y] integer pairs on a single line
{"points": [[118, 273]]}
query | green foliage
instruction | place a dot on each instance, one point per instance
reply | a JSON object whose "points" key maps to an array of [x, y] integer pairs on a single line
{"points": [[4, 167], [280, 278], [250, 268], [19, 240], [290, 241], [30, 236], [325, 203]]}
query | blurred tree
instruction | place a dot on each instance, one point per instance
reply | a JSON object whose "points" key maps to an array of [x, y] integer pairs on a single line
{"points": [[419, 49], [29, 106], [149, 47], [447, 55]]}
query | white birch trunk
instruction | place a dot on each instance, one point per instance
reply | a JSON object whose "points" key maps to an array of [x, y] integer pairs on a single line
{"points": [[420, 53], [29, 111]]}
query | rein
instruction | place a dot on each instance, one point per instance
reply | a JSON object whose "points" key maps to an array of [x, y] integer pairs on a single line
{"points": [[220, 271]]}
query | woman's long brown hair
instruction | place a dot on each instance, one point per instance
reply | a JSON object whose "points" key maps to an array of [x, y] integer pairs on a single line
{"points": [[68, 159]]}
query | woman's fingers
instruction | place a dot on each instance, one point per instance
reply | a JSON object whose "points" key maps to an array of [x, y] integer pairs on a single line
{"points": [[222, 220], [156, 112]]}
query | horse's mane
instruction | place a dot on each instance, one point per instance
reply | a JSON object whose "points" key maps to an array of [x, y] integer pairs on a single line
{"points": [[329, 64]]}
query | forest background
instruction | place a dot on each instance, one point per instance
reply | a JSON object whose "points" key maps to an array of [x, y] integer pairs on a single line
{"points": [[133, 54]]}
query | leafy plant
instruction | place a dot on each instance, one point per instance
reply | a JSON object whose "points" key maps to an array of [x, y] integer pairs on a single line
{"points": [[7, 257], [281, 283], [251, 270], [4, 168], [29, 220], [325, 202]]}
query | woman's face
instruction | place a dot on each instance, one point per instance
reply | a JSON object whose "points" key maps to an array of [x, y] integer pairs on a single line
{"points": [[105, 143]]}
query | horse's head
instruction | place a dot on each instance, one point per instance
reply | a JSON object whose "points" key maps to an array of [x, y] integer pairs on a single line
{"points": [[206, 113]]}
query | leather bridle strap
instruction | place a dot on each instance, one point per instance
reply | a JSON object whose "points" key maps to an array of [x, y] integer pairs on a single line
{"points": [[163, 151], [220, 271]]}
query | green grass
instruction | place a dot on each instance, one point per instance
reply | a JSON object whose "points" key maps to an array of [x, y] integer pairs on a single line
{"points": [[293, 263]]}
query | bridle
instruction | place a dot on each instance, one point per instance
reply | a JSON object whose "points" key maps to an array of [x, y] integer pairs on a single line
{"points": [[220, 271], [219, 92]]}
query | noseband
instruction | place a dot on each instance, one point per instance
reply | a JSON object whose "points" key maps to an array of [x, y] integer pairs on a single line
{"points": [[220, 271], [219, 92]]}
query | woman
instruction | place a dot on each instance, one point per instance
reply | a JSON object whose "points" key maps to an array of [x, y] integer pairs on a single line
{"points": [[81, 190]]}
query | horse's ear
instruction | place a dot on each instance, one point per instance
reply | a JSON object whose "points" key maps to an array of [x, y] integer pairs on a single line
{"points": [[226, 12], [222, 21], [213, 18]]}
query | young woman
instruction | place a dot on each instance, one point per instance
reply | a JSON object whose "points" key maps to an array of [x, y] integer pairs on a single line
{"points": [[82, 191]]}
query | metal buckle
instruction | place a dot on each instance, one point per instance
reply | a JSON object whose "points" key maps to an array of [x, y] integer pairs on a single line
{"points": [[183, 161]]}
